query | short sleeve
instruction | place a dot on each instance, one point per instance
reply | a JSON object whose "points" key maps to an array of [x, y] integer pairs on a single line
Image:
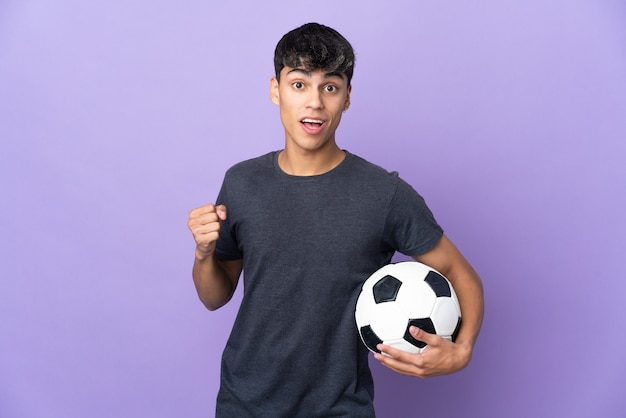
{"points": [[227, 247], [410, 227]]}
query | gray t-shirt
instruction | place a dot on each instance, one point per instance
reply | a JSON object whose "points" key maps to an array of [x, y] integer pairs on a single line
{"points": [[308, 244]]}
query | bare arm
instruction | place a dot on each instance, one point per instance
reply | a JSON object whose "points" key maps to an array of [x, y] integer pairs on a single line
{"points": [[447, 259], [443, 356], [215, 280]]}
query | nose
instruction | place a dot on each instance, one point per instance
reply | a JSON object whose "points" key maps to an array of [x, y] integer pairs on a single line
{"points": [[314, 99]]}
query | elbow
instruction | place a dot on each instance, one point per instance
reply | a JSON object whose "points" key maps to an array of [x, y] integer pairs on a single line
{"points": [[213, 304], [211, 307]]}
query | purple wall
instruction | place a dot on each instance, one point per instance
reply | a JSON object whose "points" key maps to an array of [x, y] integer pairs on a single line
{"points": [[117, 118]]}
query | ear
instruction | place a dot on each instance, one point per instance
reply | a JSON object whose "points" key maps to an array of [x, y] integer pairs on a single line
{"points": [[274, 92], [347, 103]]}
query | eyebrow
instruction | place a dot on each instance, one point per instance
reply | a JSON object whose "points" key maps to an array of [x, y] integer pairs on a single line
{"points": [[308, 73]]}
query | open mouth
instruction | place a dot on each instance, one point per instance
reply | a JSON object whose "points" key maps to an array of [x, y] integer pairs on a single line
{"points": [[312, 124]]}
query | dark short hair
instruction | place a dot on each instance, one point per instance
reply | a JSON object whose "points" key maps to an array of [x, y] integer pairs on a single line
{"points": [[314, 47]]}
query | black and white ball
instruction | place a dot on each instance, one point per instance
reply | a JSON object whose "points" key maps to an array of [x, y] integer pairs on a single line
{"points": [[403, 294]]}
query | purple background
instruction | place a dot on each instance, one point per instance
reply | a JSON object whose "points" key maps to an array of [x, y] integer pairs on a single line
{"points": [[117, 118]]}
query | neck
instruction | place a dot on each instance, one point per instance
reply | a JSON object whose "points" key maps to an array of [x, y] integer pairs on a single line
{"points": [[309, 163]]}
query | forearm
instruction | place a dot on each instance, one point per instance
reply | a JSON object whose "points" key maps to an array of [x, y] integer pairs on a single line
{"points": [[442, 356], [212, 282], [447, 259], [469, 291]]}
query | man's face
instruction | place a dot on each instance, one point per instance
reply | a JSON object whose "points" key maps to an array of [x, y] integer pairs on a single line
{"points": [[311, 104]]}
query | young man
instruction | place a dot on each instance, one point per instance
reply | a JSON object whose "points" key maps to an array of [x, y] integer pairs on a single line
{"points": [[307, 225]]}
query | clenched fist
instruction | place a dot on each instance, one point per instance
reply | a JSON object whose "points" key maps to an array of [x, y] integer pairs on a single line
{"points": [[204, 223]]}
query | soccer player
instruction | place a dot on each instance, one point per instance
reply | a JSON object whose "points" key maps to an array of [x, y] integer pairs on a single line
{"points": [[307, 225]]}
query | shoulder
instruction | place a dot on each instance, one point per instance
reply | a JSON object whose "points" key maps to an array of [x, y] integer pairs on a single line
{"points": [[250, 177], [253, 165], [372, 172], [251, 172], [380, 180]]}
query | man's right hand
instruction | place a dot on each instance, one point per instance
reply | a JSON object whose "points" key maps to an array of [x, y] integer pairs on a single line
{"points": [[204, 223]]}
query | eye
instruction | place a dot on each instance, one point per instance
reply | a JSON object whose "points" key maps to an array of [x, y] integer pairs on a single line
{"points": [[298, 85], [330, 88]]}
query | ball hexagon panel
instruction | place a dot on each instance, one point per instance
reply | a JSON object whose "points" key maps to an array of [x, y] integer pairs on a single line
{"points": [[389, 322], [445, 316], [416, 299], [404, 345], [365, 308]]}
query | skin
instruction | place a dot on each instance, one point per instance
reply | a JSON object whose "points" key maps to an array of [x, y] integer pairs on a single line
{"points": [[311, 149], [314, 95], [442, 356]]}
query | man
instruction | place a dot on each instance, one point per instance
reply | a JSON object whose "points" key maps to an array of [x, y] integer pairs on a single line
{"points": [[307, 225]]}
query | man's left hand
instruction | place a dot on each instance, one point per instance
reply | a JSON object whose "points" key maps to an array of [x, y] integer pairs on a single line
{"points": [[440, 356]]}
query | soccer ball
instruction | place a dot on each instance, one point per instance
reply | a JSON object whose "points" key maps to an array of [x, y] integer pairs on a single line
{"points": [[403, 294]]}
